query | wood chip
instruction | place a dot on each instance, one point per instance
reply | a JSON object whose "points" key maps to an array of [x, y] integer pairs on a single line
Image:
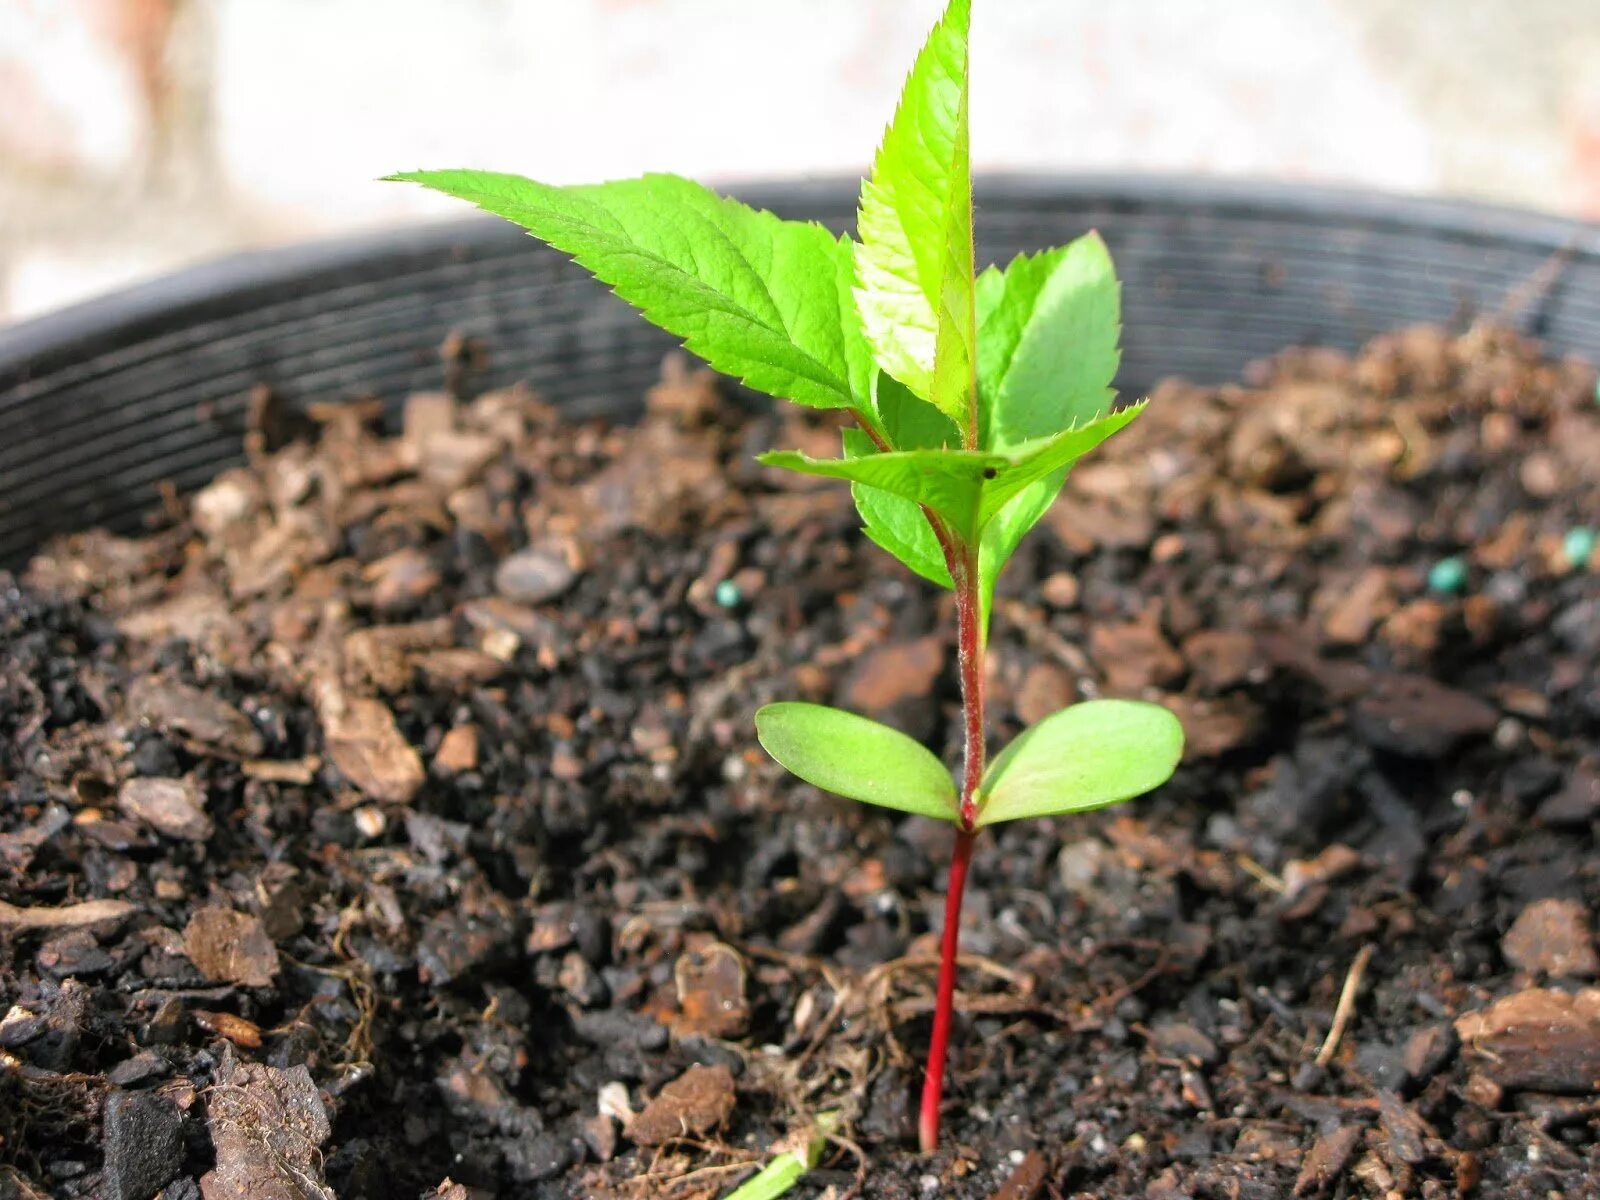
{"points": [[458, 751], [696, 1102], [1027, 1181], [1553, 937], [199, 718], [174, 808], [366, 744], [1544, 1040], [230, 947], [1135, 656], [1326, 1162], [267, 1125], [711, 985], [298, 771], [892, 674], [1347, 1004], [1403, 1128]]}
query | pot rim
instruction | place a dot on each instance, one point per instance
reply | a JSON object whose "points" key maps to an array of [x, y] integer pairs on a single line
{"points": [[235, 282]]}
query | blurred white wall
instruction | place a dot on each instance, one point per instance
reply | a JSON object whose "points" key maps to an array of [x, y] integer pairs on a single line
{"points": [[138, 135]]}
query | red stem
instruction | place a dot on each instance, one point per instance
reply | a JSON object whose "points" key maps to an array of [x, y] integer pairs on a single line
{"points": [[939, 1046], [964, 572], [962, 561]]}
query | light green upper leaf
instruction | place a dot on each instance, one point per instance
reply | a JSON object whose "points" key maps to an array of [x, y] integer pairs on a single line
{"points": [[859, 759], [1049, 344], [1087, 756], [861, 368], [1006, 300], [759, 298], [968, 488], [1047, 352], [914, 267]]}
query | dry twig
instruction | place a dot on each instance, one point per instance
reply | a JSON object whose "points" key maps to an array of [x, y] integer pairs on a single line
{"points": [[1347, 1004]]}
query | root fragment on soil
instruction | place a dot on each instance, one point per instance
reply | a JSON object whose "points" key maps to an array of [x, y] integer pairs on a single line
{"points": [[68, 916], [356, 1051], [1347, 1003], [670, 1175]]}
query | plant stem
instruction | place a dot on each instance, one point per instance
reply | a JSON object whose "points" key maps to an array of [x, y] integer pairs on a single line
{"points": [[939, 1044], [964, 571], [969, 661]]}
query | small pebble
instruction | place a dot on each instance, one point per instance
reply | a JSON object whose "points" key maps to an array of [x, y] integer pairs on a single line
{"points": [[1578, 546], [1448, 577], [1060, 590], [370, 821], [1506, 588], [728, 594]]}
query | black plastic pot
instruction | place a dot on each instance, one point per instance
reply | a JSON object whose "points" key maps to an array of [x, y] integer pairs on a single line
{"points": [[100, 403]]}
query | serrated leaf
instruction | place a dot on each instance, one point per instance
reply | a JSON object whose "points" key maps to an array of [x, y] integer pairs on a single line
{"points": [[1042, 457], [1006, 299], [950, 482], [968, 488], [1055, 313], [896, 525], [759, 298], [857, 758], [1049, 345], [1084, 757], [914, 266]]}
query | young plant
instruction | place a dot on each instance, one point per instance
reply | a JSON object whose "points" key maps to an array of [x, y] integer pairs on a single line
{"points": [[972, 397]]}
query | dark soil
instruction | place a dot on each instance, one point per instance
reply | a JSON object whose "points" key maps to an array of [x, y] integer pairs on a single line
{"points": [[392, 813]]}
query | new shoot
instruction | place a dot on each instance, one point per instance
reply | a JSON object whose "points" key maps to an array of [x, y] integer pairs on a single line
{"points": [[972, 395]]}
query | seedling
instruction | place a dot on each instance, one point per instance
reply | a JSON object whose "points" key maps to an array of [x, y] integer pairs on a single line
{"points": [[972, 397], [793, 1159]]}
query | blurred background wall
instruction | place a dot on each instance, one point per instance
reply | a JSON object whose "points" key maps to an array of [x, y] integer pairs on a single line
{"points": [[140, 135]]}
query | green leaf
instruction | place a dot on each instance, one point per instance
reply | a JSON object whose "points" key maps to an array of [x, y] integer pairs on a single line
{"points": [[895, 524], [968, 488], [861, 369], [759, 298], [1006, 299], [1005, 533], [914, 267], [950, 482], [859, 759], [1047, 353], [1084, 757], [801, 1153], [1042, 457], [911, 423], [1047, 337]]}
